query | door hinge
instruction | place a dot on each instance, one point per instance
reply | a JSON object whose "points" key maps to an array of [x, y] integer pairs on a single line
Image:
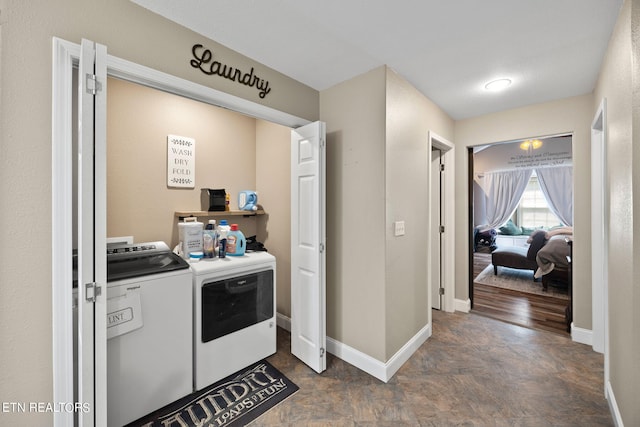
{"points": [[442, 229], [321, 247], [441, 291], [93, 85], [92, 291], [322, 142], [321, 351], [442, 167]]}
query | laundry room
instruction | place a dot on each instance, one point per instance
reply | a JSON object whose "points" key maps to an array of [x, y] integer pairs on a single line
{"points": [[219, 314], [232, 151]]}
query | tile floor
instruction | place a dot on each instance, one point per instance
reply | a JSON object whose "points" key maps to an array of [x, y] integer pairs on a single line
{"points": [[473, 371]]}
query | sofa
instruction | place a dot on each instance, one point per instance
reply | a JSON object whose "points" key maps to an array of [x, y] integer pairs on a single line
{"points": [[547, 256], [519, 257]]}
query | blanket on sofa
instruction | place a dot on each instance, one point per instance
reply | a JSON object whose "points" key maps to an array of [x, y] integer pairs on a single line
{"points": [[553, 254]]}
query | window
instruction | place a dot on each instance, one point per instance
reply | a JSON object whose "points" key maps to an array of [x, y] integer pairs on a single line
{"points": [[533, 210]]}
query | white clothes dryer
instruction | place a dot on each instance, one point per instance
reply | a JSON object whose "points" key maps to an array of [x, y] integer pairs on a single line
{"points": [[234, 315]]}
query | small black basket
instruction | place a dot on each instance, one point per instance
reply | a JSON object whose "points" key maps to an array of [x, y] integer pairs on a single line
{"points": [[213, 200]]}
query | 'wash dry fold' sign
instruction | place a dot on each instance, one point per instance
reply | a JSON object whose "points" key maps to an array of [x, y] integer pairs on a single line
{"points": [[181, 161]]}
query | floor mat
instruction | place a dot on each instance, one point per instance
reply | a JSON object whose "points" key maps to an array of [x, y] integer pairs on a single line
{"points": [[234, 401]]}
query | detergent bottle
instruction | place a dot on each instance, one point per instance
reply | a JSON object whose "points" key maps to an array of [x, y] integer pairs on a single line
{"points": [[223, 231], [236, 242], [190, 235], [210, 239]]}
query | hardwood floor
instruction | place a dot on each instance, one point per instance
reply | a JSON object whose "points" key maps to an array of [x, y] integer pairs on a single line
{"points": [[532, 311]]}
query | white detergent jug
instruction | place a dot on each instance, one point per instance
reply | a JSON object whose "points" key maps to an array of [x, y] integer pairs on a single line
{"points": [[190, 235]]}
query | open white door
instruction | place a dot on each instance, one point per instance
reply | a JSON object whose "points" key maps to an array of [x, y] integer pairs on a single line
{"points": [[308, 235], [435, 223], [441, 261], [92, 270]]}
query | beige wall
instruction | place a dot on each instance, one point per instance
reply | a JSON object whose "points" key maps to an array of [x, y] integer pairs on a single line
{"points": [[139, 202], [233, 151], [273, 183], [618, 83], [572, 115], [377, 126], [500, 157], [354, 112], [410, 116], [132, 33]]}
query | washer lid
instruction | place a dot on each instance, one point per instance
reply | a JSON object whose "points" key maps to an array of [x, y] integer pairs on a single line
{"points": [[141, 259]]}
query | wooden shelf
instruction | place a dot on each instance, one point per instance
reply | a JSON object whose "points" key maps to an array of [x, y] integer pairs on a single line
{"points": [[217, 214]]}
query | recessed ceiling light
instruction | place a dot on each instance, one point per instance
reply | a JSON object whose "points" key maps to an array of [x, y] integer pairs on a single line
{"points": [[497, 85]]}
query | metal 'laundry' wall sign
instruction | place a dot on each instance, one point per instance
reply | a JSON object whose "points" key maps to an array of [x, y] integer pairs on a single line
{"points": [[203, 60]]}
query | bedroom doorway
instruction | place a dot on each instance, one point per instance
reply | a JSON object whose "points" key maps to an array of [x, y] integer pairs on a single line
{"points": [[517, 190]]}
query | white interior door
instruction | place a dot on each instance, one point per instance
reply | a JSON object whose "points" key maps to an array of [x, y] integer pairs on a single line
{"points": [[435, 223], [441, 213], [92, 270], [308, 290]]}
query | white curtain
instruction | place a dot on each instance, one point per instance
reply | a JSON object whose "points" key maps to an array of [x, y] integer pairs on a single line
{"points": [[503, 191], [556, 184]]}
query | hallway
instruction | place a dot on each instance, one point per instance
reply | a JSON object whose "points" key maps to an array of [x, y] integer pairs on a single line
{"points": [[473, 371]]}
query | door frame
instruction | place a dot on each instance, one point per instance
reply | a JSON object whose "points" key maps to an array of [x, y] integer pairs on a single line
{"points": [[470, 202], [600, 233], [65, 57], [447, 259], [435, 221]]}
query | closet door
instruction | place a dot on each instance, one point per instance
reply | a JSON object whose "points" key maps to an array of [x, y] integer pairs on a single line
{"points": [[91, 227], [308, 236]]}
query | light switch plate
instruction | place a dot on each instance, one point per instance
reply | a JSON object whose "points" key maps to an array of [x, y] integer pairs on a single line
{"points": [[398, 228]]}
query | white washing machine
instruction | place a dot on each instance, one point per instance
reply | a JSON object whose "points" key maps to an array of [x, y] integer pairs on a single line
{"points": [[149, 330], [234, 314]]}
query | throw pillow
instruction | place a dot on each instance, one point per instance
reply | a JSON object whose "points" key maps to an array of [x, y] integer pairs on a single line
{"points": [[510, 229]]}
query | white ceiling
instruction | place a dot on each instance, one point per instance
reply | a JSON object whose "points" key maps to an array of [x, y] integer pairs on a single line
{"points": [[448, 50]]}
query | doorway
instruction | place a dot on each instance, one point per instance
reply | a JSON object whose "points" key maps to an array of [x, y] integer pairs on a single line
{"points": [[441, 223], [65, 60], [437, 169], [517, 190]]}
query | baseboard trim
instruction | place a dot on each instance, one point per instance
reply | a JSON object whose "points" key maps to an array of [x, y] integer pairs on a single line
{"points": [[582, 336], [283, 321], [380, 370], [613, 405], [462, 305]]}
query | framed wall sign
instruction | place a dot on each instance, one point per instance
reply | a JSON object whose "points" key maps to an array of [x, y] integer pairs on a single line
{"points": [[181, 161]]}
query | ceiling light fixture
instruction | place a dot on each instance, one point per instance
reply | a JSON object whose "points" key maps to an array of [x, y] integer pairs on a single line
{"points": [[530, 144], [497, 85]]}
